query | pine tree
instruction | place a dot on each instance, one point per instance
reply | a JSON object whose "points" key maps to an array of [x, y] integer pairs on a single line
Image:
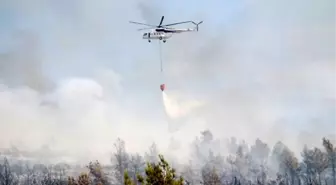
{"points": [[157, 174]]}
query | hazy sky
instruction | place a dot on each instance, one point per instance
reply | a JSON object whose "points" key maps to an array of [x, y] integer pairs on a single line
{"points": [[261, 68]]}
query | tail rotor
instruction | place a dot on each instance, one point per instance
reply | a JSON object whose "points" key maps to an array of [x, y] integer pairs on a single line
{"points": [[197, 24]]}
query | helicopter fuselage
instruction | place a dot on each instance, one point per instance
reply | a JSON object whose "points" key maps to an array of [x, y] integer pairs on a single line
{"points": [[157, 36]]}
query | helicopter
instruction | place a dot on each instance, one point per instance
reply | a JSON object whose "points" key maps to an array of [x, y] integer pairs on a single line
{"points": [[163, 32]]}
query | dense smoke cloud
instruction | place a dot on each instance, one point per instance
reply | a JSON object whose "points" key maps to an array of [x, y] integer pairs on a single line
{"points": [[268, 71], [22, 65]]}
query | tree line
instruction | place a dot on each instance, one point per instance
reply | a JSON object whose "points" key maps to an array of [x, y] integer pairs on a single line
{"points": [[258, 164]]}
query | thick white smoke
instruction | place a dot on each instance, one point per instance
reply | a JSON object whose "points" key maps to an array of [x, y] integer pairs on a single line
{"points": [[74, 118], [265, 69]]}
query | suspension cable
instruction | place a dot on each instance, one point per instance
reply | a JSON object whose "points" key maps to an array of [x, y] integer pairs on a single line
{"points": [[161, 63]]}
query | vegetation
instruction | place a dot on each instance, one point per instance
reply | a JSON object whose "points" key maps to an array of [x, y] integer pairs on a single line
{"points": [[156, 174], [257, 164]]}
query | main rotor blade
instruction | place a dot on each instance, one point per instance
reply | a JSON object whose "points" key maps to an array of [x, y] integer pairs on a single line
{"points": [[142, 24], [145, 28], [177, 23], [161, 20]]}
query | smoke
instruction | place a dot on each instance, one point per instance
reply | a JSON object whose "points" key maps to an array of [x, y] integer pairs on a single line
{"points": [[22, 65], [268, 71], [77, 76]]}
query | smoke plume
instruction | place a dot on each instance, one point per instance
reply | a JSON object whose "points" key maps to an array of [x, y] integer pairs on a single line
{"points": [[76, 75]]}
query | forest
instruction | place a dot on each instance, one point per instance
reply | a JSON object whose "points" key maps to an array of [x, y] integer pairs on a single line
{"points": [[258, 164]]}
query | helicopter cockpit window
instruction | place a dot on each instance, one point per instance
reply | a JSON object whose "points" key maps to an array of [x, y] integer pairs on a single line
{"points": [[145, 34]]}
